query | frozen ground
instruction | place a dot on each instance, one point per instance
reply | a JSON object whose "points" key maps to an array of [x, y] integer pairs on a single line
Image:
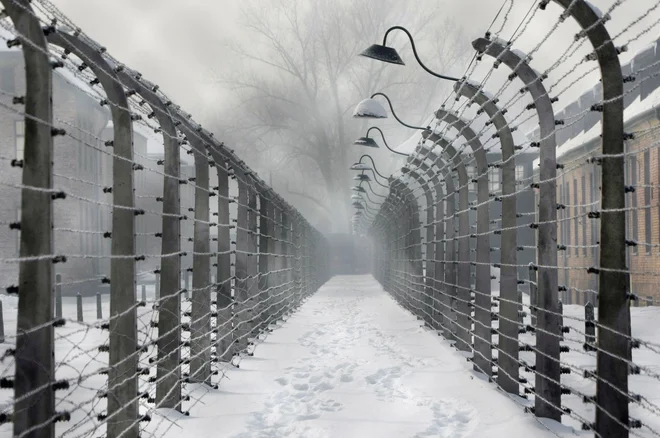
{"points": [[350, 363]]}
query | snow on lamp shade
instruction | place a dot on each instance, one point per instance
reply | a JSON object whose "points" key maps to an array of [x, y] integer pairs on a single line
{"points": [[370, 108], [358, 189], [382, 53], [360, 166], [362, 177], [366, 141]]}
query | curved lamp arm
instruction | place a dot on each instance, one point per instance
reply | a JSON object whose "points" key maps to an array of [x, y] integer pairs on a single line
{"points": [[394, 114], [374, 170], [385, 141], [372, 191], [414, 49]]}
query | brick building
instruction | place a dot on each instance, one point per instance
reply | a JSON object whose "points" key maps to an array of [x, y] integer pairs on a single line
{"points": [[82, 167], [579, 182]]}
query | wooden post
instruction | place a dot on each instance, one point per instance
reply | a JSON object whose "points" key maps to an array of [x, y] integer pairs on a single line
{"points": [[79, 307]]}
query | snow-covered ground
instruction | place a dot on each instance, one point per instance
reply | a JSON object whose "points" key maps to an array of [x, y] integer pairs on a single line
{"points": [[350, 363]]}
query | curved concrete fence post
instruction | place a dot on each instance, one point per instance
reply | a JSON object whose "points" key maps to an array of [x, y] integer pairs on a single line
{"points": [[200, 316], [400, 223], [445, 250], [430, 248], [253, 266], [482, 300], [122, 404], [224, 300], [614, 353], [34, 356], [265, 259], [168, 372], [510, 305], [463, 305], [402, 220], [548, 402], [241, 293]]}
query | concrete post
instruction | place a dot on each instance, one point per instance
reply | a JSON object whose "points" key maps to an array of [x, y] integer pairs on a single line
{"points": [[122, 377], [430, 247], [241, 268], [35, 361], [200, 319], [548, 403], [79, 308], [144, 293], [99, 306], [225, 336], [483, 322], [253, 268], [612, 414], [508, 377], [463, 285], [287, 260], [2, 324]]}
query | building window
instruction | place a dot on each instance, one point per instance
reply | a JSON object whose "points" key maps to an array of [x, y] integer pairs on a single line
{"points": [[634, 216], [647, 201], [576, 216], [472, 175], [494, 180], [19, 135], [583, 217], [520, 174], [7, 79]]}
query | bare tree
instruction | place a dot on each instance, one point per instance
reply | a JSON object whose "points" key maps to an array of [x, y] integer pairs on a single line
{"points": [[299, 80]]}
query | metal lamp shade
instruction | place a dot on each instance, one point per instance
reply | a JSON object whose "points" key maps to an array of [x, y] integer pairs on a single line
{"points": [[360, 166], [370, 109], [383, 53], [366, 141]]}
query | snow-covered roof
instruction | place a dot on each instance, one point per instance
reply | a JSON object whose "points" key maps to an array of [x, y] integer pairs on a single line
{"points": [[408, 146], [638, 108]]}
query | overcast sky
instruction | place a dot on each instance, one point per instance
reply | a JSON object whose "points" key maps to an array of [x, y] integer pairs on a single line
{"points": [[180, 45]]}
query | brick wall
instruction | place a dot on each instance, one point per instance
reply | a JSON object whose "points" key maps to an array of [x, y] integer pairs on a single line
{"points": [[578, 188]]}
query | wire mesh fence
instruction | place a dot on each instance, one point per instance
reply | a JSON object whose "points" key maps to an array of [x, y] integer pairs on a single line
{"points": [[134, 276], [561, 322]]}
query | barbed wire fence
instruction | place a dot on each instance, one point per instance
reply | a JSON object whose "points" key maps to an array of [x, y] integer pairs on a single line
{"points": [[215, 279], [559, 340]]}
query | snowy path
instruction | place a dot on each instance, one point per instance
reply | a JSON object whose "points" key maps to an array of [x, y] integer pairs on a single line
{"points": [[352, 363]]}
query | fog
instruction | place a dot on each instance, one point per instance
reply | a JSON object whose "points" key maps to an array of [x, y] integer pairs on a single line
{"points": [[278, 80]]}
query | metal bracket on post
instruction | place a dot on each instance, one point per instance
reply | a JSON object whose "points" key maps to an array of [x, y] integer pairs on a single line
{"points": [[548, 403], [509, 303]]}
